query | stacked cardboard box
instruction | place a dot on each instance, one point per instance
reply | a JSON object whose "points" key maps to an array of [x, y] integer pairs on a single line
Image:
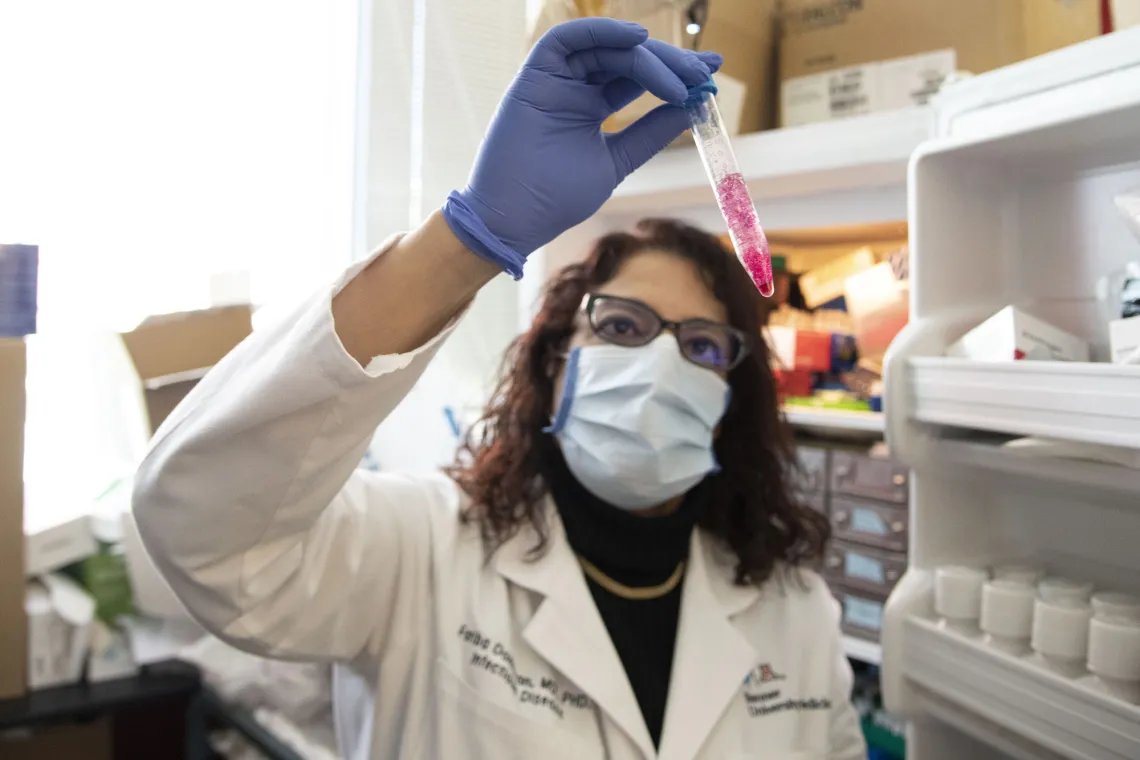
{"points": [[740, 30], [13, 633], [847, 57], [170, 353]]}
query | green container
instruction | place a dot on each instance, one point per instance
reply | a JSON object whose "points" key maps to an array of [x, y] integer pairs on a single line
{"points": [[883, 738]]}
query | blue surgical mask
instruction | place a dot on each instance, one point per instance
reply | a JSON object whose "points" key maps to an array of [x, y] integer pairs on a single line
{"points": [[636, 425]]}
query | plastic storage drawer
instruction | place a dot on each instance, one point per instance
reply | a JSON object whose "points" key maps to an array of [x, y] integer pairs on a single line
{"points": [[870, 477], [863, 568], [884, 526], [862, 612]]}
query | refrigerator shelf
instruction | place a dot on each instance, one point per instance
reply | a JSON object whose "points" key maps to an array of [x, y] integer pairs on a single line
{"points": [[1079, 475], [870, 652], [1089, 402], [1060, 715]]}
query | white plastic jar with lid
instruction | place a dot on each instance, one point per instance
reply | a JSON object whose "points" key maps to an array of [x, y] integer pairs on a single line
{"points": [[1019, 571], [958, 597], [1112, 605], [1007, 615], [1055, 588], [1060, 638], [1114, 646]]}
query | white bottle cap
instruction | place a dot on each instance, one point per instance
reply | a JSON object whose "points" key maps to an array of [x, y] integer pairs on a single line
{"points": [[1016, 571], [1061, 628], [1114, 649], [1112, 605], [1007, 609], [1055, 588], [958, 592]]}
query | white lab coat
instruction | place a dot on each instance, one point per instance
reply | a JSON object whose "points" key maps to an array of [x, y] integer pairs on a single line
{"points": [[252, 507]]}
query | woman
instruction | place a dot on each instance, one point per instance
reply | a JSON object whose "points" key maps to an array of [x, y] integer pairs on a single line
{"points": [[549, 597]]}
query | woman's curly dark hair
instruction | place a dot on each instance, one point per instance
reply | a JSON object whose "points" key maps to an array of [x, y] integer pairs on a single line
{"points": [[750, 506]]}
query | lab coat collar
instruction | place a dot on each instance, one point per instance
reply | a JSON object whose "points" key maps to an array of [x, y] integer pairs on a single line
{"points": [[712, 657], [567, 630]]}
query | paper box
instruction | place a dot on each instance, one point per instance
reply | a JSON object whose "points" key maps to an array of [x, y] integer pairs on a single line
{"points": [[846, 57], [60, 615], [1011, 335], [54, 540], [743, 31], [13, 637], [879, 305], [793, 382], [172, 352], [1124, 340], [827, 282], [802, 350]]}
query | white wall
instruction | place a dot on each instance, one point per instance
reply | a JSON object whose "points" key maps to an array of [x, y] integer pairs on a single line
{"points": [[439, 68]]}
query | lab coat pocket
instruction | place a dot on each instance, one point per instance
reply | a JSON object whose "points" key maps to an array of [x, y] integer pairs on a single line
{"points": [[473, 726]]}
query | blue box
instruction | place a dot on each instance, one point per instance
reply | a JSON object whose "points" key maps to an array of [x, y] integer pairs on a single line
{"points": [[844, 354], [19, 276]]}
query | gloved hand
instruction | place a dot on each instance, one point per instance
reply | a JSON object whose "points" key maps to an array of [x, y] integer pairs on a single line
{"points": [[545, 165]]}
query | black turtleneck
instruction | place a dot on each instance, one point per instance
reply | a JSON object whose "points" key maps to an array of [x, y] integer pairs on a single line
{"points": [[635, 551]]}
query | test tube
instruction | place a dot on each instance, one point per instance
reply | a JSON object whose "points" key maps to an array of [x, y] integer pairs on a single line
{"points": [[731, 192]]}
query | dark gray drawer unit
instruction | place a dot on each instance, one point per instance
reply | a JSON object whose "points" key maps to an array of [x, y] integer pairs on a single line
{"points": [[863, 568], [856, 474], [871, 523], [862, 612], [817, 501]]}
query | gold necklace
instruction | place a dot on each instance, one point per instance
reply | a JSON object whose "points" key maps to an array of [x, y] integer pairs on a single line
{"points": [[630, 592]]}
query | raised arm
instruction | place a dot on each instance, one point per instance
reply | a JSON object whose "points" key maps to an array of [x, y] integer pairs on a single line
{"points": [[249, 500]]}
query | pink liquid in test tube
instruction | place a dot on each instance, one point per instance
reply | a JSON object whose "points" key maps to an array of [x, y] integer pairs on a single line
{"points": [[731, 193]]}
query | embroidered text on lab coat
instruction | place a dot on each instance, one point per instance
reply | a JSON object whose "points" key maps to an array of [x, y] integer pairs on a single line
{"points": [[493, 657]]}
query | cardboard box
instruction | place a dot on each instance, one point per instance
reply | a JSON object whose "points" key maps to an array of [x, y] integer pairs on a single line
{"points": [[846, 57], [53, 540], [1124, 340], [172, 352], [13, 638], [879, 305], [1125, 13], [803, 350], [1011, 335], [743, 31], [60, 614], [76, 741], [827, 282]]}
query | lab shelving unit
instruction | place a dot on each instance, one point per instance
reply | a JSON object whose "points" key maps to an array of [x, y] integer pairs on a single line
{"points": [[1012, 204], [820, 175], [837, 173]]}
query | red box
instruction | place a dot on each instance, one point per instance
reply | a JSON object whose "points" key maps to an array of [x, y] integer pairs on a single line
{"points": [[796, 382], [813, 351]]}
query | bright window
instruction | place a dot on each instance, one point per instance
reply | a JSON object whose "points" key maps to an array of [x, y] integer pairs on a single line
{"points": [[146, 146]]}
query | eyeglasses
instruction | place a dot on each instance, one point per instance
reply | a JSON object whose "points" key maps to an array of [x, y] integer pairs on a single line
{"points": [[630, 323]]}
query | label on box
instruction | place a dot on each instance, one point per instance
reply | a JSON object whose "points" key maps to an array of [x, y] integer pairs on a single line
{"points": [[869, 88], [914, 80]]}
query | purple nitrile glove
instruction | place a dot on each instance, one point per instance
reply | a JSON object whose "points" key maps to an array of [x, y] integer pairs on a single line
{"points": [[545, 165]]}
